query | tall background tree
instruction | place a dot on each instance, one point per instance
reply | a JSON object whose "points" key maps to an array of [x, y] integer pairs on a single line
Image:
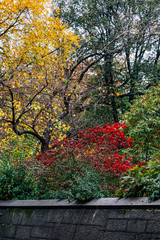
{"points": [[124, 35], [34, 52]]}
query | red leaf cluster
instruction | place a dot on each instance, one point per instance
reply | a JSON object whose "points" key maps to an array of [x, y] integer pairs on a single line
{"points": [[100, 147]]}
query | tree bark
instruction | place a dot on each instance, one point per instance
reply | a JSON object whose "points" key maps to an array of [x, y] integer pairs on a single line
{"points": [[108, 77]]}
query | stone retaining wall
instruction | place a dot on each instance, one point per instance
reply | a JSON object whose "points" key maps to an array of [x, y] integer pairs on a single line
{"points": [[103, 219]]}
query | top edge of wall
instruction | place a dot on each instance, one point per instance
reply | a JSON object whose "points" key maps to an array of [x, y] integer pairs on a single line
{"points": [[95, 203]]}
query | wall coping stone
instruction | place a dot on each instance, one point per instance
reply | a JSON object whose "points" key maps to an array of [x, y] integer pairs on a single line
{"points": [[95, 203]]}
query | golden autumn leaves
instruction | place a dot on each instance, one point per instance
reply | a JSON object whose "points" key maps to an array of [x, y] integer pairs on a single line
{"points": [[34, 50], [28, 31]]}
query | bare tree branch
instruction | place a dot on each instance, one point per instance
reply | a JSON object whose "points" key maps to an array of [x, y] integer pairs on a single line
{"points": [[13, 24]]}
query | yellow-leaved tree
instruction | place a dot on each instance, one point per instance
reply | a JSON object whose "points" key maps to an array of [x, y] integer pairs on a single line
{"points": [[35, 50]]}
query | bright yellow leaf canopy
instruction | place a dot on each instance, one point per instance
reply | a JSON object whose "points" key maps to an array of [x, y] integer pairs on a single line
{"points": [[34, 52]]}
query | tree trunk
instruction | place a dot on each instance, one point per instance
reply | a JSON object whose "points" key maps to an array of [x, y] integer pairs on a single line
{"points": [[108, 76], [44, 147], [47, 138]]}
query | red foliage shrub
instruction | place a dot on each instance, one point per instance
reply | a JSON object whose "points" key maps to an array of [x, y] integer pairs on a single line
{"points": [[99, 147]]}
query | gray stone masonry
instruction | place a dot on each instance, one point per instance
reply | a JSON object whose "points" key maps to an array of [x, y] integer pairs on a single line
{"points": [[103, 219]]}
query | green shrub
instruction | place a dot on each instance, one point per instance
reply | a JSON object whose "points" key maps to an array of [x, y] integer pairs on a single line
{"points": [[143, 125], [16, 183], [141, 181], [88, 186], [24, 181], [85, 185]]}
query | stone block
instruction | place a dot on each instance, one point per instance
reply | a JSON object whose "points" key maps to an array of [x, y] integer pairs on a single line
{"points": [[153, 227], [56, 215], [5, 216], [143, 214], [23, 232], [72, 216], [126, 213], [95, 217], [117, 225], [86, 233], [115, 236], [136, 226], [117, 213], [145, 236], [41, 232], [150, 214], [63, 232], [27, 217], [17, 216], [39, 217], [7, 230]]}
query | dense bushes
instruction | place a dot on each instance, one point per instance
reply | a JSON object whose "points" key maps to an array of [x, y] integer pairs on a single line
{"points": [[143, 121], [16, 182], [141, 181], [83, 168], [93, 165], [96, 156]]}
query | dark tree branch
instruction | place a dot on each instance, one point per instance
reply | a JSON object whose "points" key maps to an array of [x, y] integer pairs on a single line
{"points": [[13, 24], [29, 103]]}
